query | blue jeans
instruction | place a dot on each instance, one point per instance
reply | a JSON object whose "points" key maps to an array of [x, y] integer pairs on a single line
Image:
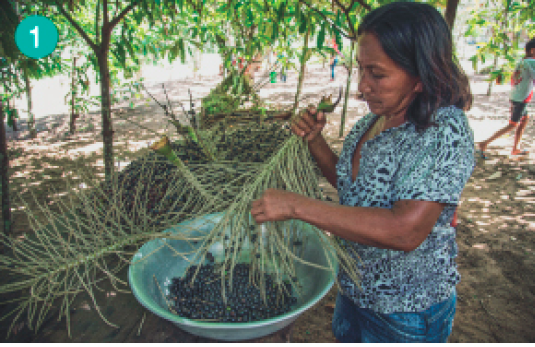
{"points": [[354, 324]]}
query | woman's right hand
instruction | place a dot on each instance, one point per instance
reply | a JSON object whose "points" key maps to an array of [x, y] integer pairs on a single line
{"points": [[309, 123]]}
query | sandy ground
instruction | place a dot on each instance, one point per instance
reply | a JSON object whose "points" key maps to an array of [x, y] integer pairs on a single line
{"points": [[496, 234]]}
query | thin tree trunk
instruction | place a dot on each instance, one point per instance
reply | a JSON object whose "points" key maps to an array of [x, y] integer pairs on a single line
{"points": [[101, 51], [14, 114], [495, 63], [451, 12], [31, 118], [489, 89], [107, 126], [348, 86], [196, 62], [104, 71], [304, 57], [516, 35], [74, 115], [4, 178]]}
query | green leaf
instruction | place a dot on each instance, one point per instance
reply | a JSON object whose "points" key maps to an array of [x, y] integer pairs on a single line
{"points": [[474, 60], [11, 116], [275, 32], [249, 17], [182, 51], [495, 74], [312, 30], [131, 51], [303, 26], [338, 20], [280, 12], [469, 31], [121, 55], [321, 36]]}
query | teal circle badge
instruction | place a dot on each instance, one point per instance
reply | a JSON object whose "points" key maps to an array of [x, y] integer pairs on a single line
{"points": [[36, 37]]}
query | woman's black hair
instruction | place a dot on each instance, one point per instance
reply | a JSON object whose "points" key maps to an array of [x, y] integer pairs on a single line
{"points": [[418, 39], [530, 45]]}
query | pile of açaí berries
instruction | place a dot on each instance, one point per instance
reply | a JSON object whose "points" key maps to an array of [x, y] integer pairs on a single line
{"points": [[203, 300]]}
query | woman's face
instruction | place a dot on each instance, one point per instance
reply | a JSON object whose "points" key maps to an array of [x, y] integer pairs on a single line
{"points": [[387, 88]]}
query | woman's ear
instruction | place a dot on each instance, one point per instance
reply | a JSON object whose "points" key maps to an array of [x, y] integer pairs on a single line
{"points": [[418, 88]]}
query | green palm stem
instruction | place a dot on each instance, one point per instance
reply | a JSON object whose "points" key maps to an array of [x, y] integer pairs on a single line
{"points": [[64, 257], [297, 177], [163, 147], [193, 136]]}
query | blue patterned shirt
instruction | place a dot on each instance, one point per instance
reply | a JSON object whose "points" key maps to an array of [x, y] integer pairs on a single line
{"points": [[403, 164]]}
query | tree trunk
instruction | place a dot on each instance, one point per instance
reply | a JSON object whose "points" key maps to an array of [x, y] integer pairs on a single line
{"points": [[451, 12], [348, 86], [4, 178], [495, 63], [516, 35], [489, 89], [196, 62], [304, 57], [31, 118], [74, 115], [14, 114], [107, 126]]}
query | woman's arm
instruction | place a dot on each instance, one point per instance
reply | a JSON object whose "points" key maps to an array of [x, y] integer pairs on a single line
{"points": [[325, 158], [403, 227]]}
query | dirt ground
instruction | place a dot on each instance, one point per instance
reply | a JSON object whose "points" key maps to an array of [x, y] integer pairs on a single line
{"points": [[496, 234]]}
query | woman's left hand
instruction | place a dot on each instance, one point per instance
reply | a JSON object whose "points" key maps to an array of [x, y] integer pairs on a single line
{"points": [[275, 205]]}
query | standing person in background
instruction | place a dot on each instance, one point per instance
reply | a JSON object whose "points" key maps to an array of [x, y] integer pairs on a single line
{"points": [[282, 61], [334, 57], [521, 94]]}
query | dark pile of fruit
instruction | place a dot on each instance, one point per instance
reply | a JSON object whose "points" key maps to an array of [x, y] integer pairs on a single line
{"points": [[152, 175], [202, 300]]}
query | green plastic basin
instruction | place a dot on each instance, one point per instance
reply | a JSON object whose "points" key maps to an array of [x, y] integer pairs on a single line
{"points": [[155, 258]]}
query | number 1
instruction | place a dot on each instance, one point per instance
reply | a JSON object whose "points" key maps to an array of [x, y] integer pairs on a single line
{"points": [[35, 31]]}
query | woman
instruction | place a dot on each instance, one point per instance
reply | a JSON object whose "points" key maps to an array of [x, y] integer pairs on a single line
{"points": [[399, 178]]}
